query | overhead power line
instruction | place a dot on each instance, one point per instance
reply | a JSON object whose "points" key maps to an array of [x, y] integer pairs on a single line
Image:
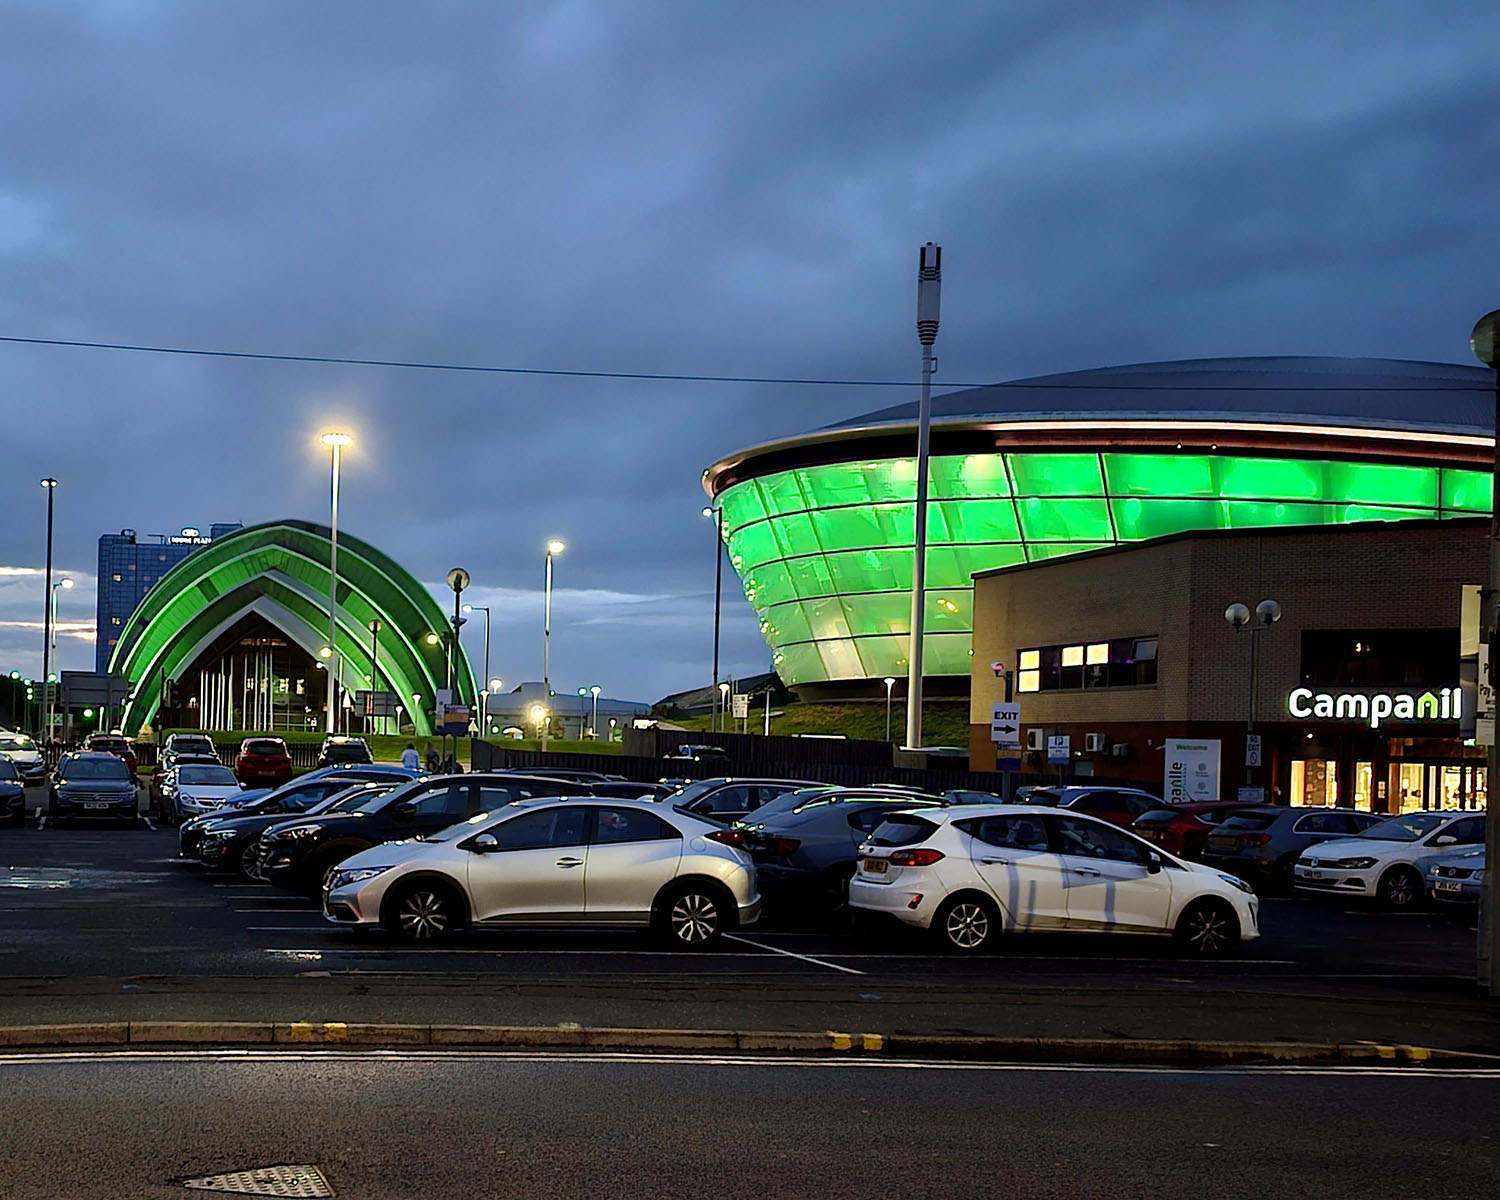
{"points": [[665, 377]]}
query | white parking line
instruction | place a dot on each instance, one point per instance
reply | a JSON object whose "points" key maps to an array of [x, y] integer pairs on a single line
{"points": [[264, 911], [734, 937]]}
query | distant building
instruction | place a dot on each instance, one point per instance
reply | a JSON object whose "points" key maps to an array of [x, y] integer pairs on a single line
{"points": [[128, 568], [572, 714], [700, 702]]}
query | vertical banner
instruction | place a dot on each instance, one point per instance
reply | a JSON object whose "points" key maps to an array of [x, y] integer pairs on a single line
{"points": [[1190, 770]]}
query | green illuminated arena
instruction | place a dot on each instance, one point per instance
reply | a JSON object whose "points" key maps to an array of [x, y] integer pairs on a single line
{"points": [[820, 527]]}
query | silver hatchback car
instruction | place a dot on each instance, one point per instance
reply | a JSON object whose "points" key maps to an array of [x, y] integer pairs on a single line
{"points": [[553, 861]]}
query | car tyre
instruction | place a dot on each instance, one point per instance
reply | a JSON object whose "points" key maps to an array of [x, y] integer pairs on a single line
{"points": [[422, 912], [250, 862], [1399, 889], [692, 916], [966, 924], [1208, 928]]}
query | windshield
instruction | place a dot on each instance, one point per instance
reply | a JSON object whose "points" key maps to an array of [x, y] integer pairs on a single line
{"points": [[689, 792], [16, 742], [216, 776], [368, 802], [1406, 829], [353, 799], [793, 799], [111, 769]]}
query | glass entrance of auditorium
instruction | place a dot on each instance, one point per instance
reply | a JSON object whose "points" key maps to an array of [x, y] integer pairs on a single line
{"points": [[1315, 781]]}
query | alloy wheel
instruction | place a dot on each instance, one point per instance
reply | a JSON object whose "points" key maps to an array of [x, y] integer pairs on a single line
{"points": [[1398, 890], [250, 862], [694, 918], [1208, 930], [423, 915], [967, 925]]}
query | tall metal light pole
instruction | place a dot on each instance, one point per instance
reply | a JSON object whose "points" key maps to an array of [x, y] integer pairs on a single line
{"points": [[50, 485], [718, 520], [1267, 613], [458, 579], [66, 584], [553, 547], [479, 687], [929, 288], [890, 682], [1483, 342], [594, 723], [335, 441]]}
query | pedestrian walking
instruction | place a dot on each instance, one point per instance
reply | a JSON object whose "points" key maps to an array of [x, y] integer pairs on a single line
{"points": [[409, 758], [433, 762]]}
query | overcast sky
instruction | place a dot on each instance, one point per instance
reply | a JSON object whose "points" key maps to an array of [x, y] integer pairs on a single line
{"points": [[668, 187]]}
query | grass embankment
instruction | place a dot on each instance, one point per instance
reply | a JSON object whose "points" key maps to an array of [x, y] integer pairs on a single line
{"points": [[944, 722]]}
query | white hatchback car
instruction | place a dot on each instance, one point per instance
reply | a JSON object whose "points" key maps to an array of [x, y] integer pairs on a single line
{"points": [[969, 872], [553, 861], [1386, 861]]}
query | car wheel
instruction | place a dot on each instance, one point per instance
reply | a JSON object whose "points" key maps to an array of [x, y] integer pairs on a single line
{"points": [[250, 862], [692, 916], [1400, 888], [966, 924], [422, 912], [1208, 928]]}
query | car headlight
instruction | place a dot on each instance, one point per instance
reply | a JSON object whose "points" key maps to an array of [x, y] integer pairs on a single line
{"points": [[1352, 864], [1477, 876], [358, 875], [1239, 883], [299, 831]]}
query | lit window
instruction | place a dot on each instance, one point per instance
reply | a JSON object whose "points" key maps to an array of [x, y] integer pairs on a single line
{"points": [[1072, 656], [116, 578], [1098, 654], [1031, 660], [1029, 681], [114, 620]]}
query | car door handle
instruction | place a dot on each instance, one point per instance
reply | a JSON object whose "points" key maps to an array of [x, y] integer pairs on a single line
{"points": [[995, 862], [570, 862], [1085, 871]]}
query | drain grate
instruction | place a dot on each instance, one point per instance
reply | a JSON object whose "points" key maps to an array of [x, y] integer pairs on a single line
{"points": [[266, 1181]]}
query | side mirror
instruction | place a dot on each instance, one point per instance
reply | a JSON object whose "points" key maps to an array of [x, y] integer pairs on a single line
{"points": [[406, 810], [484, 843], [1446, 839], [1154, 863]]}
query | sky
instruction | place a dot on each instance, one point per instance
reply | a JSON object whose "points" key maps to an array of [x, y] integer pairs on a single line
{"points": [[666, 186]]}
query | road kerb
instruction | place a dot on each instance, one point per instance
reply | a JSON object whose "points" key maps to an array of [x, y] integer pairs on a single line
{"points": [[196, 1033], [102, 1033]]}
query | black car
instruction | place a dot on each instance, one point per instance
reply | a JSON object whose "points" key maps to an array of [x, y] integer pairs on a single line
{"points": [[338, 749], [709, 756], [297, 855], [12, 793], [233, 844], [289, 800], [91, 785], [724, 800], [1260, 844]]}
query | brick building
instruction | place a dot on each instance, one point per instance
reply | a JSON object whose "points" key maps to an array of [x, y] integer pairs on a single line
{"points": [[1357, 686]]}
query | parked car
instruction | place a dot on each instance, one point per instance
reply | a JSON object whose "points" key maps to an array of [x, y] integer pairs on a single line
{"points": [[113, 743], [93, 785], [621, 863], [1182, 829], [22, 751], [574, 774], [163, 773], [619, 790], [712, 756], [807, 854], [1118, 806], [232, 843], [1261, 843], [970, 873], [300, 796], [200, 744], [1457, 878], [723, 800], [192, 789], [1387, 861], [824, 793], [340, 748], [297, 855], [263, 760], [12, 793]]}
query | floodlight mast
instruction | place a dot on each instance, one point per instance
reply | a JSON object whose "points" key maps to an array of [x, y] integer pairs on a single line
{"points": [[929, 290]]}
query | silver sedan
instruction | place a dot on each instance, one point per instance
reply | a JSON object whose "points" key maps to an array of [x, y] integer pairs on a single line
{"points": [[551, 861]]}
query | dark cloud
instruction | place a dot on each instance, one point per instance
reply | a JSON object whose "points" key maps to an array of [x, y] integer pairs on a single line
{"points": [[670, 187]]}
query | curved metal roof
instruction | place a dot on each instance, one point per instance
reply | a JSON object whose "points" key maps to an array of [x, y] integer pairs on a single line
{"points": [[279, 570], [1377, 393]]}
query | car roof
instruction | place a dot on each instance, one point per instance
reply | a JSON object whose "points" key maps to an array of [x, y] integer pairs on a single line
{"points": [[963, 812]]}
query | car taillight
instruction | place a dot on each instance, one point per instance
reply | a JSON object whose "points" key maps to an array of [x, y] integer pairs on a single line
{"points": [[915, 858], [1255, 839], [780, 846], [728, 837]]}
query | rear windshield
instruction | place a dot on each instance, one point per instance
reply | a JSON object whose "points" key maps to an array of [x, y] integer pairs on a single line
{"points": [[217, 776], [264, 746], [1250, 821], [1156, 816], [192, 745], [902, 829], [95, 768], [16, 741], [344, 750], [112, 745], [1042, 796]]}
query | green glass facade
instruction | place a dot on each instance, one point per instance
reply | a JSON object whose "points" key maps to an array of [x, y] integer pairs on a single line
{"points": [[825, 552]]}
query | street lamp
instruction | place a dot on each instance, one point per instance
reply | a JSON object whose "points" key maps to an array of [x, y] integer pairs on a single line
{"points": [[50, 485], [723, 694], [485, 609], [929, 287], [1482, 342], [554, 547], [1266, 614], [718, 519], [594, 722], [890, 682], [335, 442]]}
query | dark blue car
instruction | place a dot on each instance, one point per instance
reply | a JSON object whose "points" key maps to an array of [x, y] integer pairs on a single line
{"points": [[94, 786], [12, 793]]}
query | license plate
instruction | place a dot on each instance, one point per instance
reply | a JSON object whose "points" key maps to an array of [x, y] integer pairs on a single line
{"points": [[1221, 843], [876, 866], [1446, 885], [96, 804]]}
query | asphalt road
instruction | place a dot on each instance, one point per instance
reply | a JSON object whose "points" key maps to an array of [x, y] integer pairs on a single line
{"points": [[403, 1125]]}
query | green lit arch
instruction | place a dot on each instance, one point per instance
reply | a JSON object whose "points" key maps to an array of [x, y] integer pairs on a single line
{"points": [[279, 570]]}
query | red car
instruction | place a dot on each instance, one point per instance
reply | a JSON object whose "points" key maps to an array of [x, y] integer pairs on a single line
{"points": [[263, 760], [1181, 829], [112, 743]]}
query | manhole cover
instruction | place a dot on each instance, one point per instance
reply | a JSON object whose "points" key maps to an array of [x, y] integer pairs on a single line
{"points": [[266, 1181]]}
